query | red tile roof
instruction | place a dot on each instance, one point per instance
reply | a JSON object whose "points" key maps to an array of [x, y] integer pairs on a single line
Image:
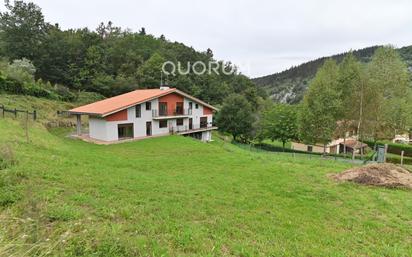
{"points": [[117, 103], [354, 144]]}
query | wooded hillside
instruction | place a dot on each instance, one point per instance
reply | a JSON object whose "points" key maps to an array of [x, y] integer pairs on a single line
{"points": [[290, 85], [108, 60]]}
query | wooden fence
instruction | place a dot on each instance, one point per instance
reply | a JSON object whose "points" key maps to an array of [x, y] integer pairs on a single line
{"points": [[15, 111]]}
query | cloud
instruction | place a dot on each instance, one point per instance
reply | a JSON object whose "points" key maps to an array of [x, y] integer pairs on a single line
{"points": [[264, 36]]}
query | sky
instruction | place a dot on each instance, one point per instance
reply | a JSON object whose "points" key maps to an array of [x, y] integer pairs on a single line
{"points": [[261, 37]]}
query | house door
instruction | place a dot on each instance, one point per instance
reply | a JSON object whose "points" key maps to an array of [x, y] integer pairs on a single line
{"points": [[148, 128], [190, 123], [125, 131], [179, 108], [163, 109], [203, 122]]}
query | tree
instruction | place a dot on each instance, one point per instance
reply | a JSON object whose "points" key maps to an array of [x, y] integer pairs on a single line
{"points": [[21, 70], [109, 60], [388, 105], [22, 30], [209, 53], [321, 106], [236, 117], [352, 88], [280, 123], [142, 31], [150, 72]]}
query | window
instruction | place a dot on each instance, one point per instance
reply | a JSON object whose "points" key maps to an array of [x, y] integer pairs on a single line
{"points": [[163, 124], [179, 122], [310, 148], [197, 106], [190, 105], [203, 122], [148, 106], [138, 111], [162, 109], [179, 108]]}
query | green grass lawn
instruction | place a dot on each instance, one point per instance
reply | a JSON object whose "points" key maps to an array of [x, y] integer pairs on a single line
{"points": [[175, 196], [288, 145]]}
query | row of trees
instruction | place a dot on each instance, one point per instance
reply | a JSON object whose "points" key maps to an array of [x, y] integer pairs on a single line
{"points": [[373, 99], [109, 60]]}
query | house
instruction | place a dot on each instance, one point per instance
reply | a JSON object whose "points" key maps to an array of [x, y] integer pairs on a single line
{"points": [[336, 146], [402, 139], [146, 113]]}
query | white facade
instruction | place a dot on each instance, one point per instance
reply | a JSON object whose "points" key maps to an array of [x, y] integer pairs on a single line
{"points": [[101, 129]]}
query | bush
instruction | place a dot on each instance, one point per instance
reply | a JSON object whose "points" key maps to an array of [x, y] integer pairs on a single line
{"points": [[397, 160], [88, 97], [398, 148], [394, 148], [36, 89], [64, 93], [11, 85]]}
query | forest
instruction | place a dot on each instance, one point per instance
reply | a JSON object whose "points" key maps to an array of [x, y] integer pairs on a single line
{"points": [[40, 58], [289, 86], [372, 99]]}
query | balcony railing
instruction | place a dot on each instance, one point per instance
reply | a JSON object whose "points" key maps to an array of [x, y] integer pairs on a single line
{"points": [[176, 112], [187, 128]]}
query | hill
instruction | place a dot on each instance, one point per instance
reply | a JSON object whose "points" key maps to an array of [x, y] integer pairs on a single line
{"points": [[40, 58], [176, 196], [289, 86]]}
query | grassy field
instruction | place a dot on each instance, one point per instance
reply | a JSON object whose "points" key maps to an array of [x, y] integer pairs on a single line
{"points": [[175, 196], [45, 108], [288, 145]]}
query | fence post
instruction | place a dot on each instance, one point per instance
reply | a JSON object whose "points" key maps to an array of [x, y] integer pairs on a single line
{"points": [[402, 153], [34, 115], [15, 112], [27, 126], [2, 107]]}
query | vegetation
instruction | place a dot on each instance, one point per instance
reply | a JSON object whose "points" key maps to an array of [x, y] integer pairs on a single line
{"points": [[46, 108], [279, 122], [390, 99], [236, 117], [108, 61], [321, 106], [289, 86], [65, 197], [374, 100]]}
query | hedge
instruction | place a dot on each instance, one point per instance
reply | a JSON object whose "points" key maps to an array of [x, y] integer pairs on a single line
{"points": [[394, 148]]}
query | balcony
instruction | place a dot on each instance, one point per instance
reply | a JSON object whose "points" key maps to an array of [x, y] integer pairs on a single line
{"points": [[166, 114], [187, 129]]}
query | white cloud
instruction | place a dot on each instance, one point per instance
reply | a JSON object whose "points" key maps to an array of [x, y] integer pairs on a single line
{"points": [[266, 36]]}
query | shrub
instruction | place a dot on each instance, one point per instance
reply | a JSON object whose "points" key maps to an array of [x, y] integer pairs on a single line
{"points": [[397, 160], [88, 97], [398, 148], [21, 70], [64, 93], [394, 148], [36, 89], [11, 85]]}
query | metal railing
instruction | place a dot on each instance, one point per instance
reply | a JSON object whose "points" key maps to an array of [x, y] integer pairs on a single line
{"points": [[175, 112], [186, 128]]}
